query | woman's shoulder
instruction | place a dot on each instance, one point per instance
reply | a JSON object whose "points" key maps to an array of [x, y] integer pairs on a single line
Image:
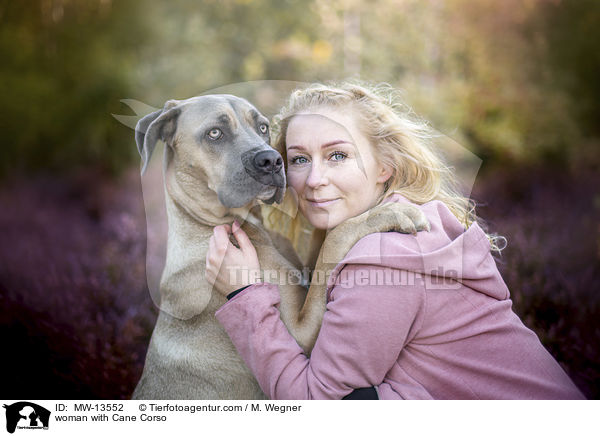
{"points": [[444, 229], [437, 213], [447, 245], [447, 251]]}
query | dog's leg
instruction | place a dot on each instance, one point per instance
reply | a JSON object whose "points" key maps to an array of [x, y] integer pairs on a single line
{"points": [[304, 321], [316, 242], [286, 249]]}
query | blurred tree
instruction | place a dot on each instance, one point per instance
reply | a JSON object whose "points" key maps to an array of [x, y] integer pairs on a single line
{"points": [[205, 45], [512, 80], [478, 70], [65, 66], [572, 31]]}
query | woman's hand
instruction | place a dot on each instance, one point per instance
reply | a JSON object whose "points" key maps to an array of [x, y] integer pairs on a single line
{"points": [[229, 268]]}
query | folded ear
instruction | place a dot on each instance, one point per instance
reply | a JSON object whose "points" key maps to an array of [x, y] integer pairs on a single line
{"points": [[157, 125]]}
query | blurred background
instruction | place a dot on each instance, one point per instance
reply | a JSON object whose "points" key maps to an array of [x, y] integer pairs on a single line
{"points": [[514, 81]]}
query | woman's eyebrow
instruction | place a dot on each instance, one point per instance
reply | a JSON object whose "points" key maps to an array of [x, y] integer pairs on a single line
{"points": [[328, 144]]}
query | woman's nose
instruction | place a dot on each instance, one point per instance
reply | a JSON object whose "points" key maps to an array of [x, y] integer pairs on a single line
{"points": [[317, 176]]}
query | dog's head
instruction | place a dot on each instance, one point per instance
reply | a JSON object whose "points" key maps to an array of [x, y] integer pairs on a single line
{"points": [[219, 141]]}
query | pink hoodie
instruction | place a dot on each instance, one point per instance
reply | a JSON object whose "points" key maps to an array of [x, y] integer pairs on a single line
{"points": [[418, 317]]}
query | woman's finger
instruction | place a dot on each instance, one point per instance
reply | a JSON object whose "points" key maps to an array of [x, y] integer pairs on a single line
{"points": [[207, 262], [242, 239], [211, 248], [221, 239], [213, 257]]}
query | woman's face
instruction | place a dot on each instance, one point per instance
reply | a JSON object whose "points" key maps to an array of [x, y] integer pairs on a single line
{"points": [[331, 167]]}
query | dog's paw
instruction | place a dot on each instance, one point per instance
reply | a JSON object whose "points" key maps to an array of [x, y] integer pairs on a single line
{"points": [[398, 217], [386, 217]]}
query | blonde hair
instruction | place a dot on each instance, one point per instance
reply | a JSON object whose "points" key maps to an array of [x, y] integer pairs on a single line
{"points": [[400, 140]]}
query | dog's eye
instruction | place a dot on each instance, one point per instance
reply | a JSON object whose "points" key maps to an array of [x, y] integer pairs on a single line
{"points": [[215, 133], [263, 129]]}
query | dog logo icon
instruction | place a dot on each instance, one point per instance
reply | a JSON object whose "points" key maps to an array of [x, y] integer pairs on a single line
{"points": [[26, 415]]}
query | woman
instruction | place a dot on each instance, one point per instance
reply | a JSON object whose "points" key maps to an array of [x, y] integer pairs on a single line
{"points": [[409, 316]]}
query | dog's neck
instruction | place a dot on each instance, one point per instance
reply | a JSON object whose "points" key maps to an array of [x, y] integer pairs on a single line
{"points": [[191, 218], [209, 211]]}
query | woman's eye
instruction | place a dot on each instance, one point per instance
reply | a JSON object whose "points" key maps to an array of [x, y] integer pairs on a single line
{"points": [[263, 129], [298, 160], [215, 134], [338, 156]]}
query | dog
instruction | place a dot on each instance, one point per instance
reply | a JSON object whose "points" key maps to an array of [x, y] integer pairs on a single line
{"points": [[218, 166]]}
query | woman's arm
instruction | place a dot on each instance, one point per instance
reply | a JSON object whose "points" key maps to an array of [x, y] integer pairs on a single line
{"points": [[363, 332]]}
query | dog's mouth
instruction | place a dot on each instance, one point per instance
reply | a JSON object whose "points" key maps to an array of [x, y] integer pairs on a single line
{"points": [[272, 195], [267, 194]]}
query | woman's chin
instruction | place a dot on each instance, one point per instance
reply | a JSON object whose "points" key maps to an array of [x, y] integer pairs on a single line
{"points": [[323, 222], [320, 218]]}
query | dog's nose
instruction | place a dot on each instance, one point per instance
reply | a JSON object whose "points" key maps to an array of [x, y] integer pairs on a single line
{"points": [[268, 161]]}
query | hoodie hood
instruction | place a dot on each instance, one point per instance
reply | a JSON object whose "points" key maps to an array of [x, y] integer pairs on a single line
{"points": [[447, 253]]}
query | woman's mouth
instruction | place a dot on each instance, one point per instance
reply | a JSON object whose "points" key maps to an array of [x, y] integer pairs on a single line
{"points": [[317, 202]]}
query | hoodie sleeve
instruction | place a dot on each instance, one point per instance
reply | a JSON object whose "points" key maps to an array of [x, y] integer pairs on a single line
{"points": [[363, 332]]}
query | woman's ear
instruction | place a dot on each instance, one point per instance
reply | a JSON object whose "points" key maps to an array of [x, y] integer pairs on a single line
{"points": [[385, 172]]}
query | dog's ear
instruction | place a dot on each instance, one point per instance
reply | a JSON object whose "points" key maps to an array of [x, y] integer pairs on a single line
{"points": [[157, 125]]}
